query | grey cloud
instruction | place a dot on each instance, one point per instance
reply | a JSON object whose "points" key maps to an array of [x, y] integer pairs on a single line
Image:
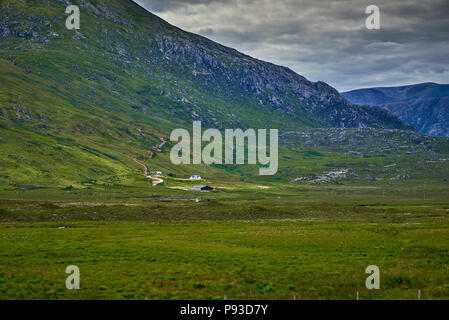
{"points": [[326, 40], [206, 32], [165, 5]]}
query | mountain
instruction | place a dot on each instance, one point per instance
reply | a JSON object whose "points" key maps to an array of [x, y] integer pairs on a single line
{"points": [[425, 106], [79, 105], [141, 60]]}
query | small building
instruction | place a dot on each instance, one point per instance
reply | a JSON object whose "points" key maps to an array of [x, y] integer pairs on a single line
{"points": [[156, 173], [201, 188], [195, 177]]}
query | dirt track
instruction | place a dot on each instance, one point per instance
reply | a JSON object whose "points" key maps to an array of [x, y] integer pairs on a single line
{"points": [[156, 148]]}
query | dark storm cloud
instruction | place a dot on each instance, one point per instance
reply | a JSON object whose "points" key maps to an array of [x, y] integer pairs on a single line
{"points": [[327, 40]]}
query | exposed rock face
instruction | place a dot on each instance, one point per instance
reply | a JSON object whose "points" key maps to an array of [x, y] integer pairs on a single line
{"points": [[424, 106], [197, 78], [234, 75]]}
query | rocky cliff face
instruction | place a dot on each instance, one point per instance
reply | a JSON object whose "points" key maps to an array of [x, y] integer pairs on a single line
{"points": [[232, 75], [424, 106], [428, 116], [124, 56]]}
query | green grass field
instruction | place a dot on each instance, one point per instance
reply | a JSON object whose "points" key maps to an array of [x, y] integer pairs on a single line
{"points": [[311, 242]]}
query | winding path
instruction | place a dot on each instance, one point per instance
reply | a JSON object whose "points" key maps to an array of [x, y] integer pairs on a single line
{"points": [[145, 168], [156, 148]]}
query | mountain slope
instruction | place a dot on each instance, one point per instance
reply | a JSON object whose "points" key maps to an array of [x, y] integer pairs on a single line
{"points": [[119, 41], [80, 105], [424, 106]]}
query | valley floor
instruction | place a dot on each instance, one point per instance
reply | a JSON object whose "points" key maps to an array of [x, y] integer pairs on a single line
{"points": [[312, 242]]}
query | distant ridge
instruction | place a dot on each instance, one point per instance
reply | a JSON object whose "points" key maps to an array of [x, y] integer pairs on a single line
{"points": [[425, 106]]}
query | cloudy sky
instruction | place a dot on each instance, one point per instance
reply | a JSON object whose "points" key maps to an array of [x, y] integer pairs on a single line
{"points": [[327, 39]]}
